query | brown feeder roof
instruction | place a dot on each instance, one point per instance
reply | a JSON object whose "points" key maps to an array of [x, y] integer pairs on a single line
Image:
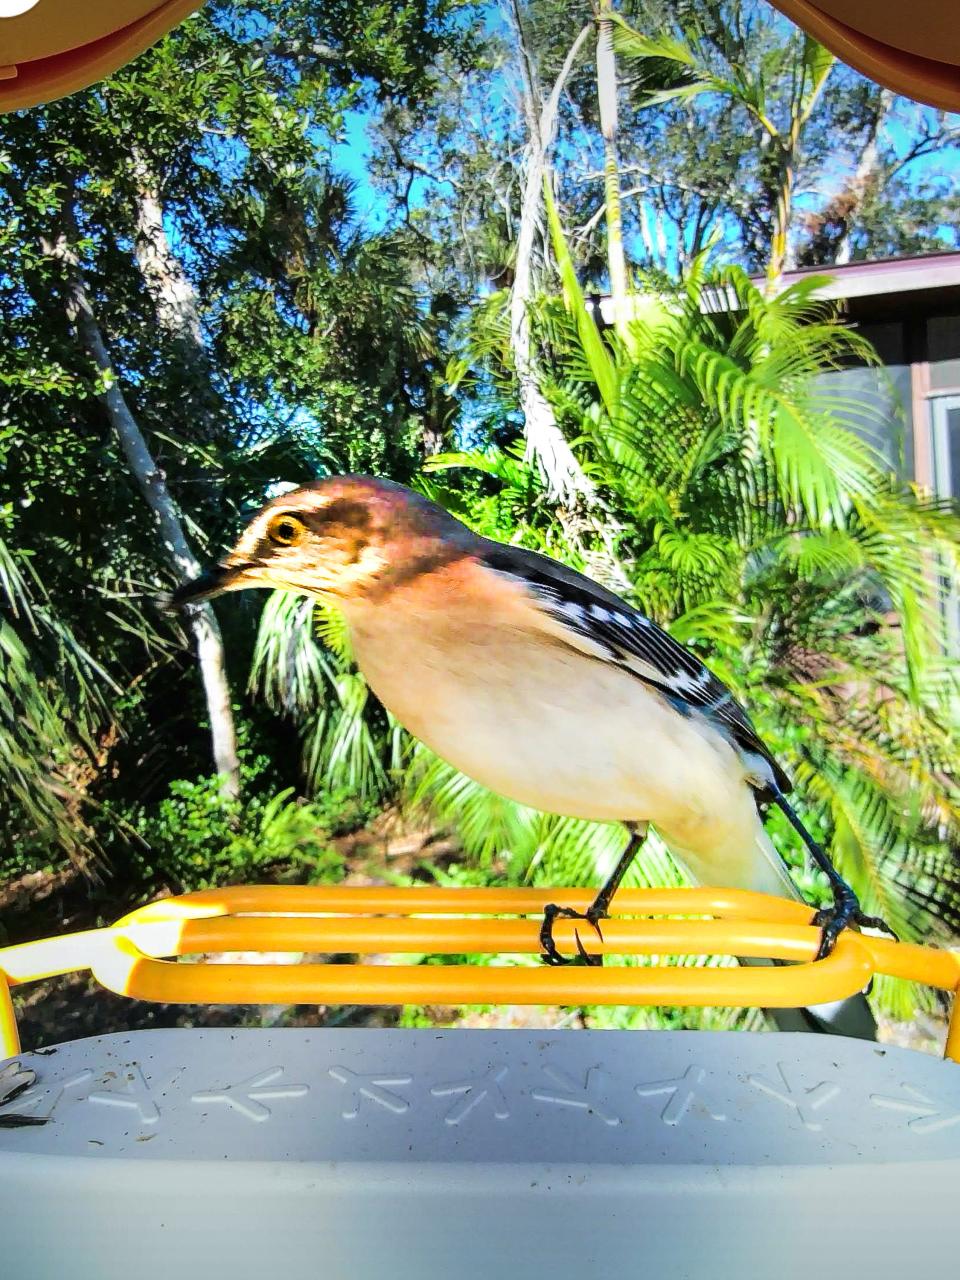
{"points": [[912, 48]]}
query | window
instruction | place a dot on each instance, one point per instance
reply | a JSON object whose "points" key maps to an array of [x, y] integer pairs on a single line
{"points": [[943, 338], [945, 425], [945, 442], [877, 403]]}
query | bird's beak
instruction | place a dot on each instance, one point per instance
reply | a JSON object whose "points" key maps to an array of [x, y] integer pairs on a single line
{"points": [[216, 580]]}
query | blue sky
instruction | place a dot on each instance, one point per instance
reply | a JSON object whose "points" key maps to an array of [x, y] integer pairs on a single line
{"points": [[351, 156], [352, 153]]}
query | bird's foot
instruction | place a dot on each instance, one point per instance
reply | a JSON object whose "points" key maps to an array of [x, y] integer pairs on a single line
{"points": [[550, 954], [845, 913]]}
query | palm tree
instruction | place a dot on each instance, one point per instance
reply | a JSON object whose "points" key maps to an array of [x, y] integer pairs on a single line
{"points": [[670, 69], [53, 702], [764, 530], [743, 513]]}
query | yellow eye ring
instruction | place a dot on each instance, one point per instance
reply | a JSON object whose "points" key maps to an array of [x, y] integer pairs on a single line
{"points": [[285, 530]]}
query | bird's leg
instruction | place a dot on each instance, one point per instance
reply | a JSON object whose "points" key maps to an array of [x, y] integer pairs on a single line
{"points": [[846, 906], [845, 912], [598, 909]]}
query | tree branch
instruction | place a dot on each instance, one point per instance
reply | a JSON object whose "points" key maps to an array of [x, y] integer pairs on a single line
{"points": [[545, 441], [152, 483]]}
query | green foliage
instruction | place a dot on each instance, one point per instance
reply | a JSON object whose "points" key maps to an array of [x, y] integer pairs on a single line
{"points": [[259, 332], [734, 503], [197, 838], [303, 667], [51, 703], [752, 521], [709, 93]]}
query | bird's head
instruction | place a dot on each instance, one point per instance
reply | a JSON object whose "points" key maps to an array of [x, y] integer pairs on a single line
{"points": [[342, 538]]}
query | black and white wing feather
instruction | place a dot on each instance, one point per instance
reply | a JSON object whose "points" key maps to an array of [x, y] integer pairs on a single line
{"points": [[616, 632]]}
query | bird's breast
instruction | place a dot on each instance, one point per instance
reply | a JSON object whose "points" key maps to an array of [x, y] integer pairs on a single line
{"points": [[533, 719]]}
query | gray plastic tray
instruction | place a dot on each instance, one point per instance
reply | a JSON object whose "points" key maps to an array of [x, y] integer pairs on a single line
{"points": [[416, 1155]]}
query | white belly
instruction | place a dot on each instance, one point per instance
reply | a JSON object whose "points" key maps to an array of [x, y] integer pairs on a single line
{"points": [[546, 726]]}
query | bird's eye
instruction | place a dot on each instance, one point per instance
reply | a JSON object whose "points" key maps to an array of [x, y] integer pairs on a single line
{"points": [[285, 530]]}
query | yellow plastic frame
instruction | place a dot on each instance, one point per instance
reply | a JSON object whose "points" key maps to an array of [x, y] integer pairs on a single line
{"points": [[133, 956]]}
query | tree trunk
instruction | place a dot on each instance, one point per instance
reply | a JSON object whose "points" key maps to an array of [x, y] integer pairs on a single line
{"points": [[174, 298], [779, 239], [814, 74], [171, 289], [152, 483], [545, 441], [864, 178], [607, 100]]}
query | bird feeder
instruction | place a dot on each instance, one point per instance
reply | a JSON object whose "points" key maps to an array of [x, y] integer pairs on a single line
{"points": [[425, 1154], [913, 49], [49, 48], [421, 1154]]}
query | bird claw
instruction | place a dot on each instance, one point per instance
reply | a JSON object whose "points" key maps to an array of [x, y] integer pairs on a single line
{"points": [[550, 954], [844, 914]]}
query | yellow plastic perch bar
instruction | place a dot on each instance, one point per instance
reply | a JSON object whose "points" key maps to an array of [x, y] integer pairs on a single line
{"points": [[137, 955]]}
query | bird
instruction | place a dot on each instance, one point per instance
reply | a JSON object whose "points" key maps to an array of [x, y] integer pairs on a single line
{"points": [[538, 683]]}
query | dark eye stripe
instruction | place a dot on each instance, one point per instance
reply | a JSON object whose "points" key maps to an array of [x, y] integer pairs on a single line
{"points": [[355, 515]]}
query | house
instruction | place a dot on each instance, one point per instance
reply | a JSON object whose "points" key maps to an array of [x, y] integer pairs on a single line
{"points": [[909, 309]]}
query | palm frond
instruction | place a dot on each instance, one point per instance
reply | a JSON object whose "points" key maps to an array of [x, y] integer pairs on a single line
{"points": [[302, 665]]}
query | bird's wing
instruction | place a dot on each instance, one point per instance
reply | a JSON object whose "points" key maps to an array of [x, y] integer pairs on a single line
{"points": [[601, 624]]}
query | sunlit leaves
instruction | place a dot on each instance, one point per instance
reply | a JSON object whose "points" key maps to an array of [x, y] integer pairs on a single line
{"points": [[302, 666], [767, 533]]}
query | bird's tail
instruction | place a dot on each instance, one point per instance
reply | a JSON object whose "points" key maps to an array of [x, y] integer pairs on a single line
{"points": [[850, 1017], [764, 872]]}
